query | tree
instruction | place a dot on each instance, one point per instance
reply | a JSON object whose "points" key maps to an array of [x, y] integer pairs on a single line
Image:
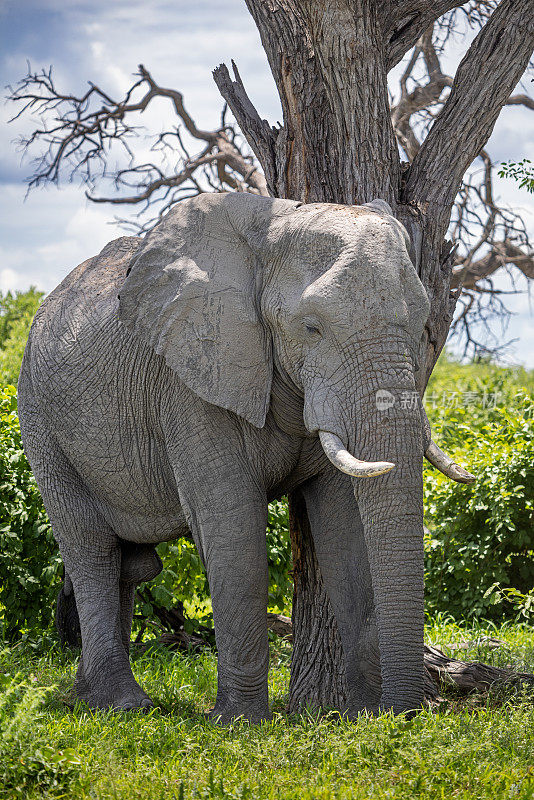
{"points": [[339, 143]]}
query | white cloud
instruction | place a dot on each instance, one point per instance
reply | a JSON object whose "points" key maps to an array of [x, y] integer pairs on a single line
{"points": [[8, 280], [54, 234]]}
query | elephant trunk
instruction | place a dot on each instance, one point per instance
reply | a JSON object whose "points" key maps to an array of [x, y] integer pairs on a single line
{"points": [[391, 508], [381, 426]]}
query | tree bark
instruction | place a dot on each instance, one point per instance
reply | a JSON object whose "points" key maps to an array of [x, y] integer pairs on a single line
{"points": [[337, 145], [317, 671]]}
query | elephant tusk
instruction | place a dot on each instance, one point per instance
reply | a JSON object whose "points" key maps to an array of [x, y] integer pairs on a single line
{"points": [[344, 461], [446, 465]]}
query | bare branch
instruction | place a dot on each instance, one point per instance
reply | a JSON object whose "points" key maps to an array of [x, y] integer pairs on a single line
{"points": [[492, 67], [468, 274], [473, 14], [81, 134], [260, 136], [521, 100], [407, 21], [423, 97], [153, 186], [480, 223], [178, 102]]}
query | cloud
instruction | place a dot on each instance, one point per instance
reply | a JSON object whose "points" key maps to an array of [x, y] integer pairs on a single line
{"points": [[30, 255], [8, 279], [44, 237]]}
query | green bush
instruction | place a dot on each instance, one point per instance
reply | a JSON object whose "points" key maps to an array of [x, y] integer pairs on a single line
{"points": [[16, 314], [280, 562], [30, 565], [464, 397], [480, 541]]}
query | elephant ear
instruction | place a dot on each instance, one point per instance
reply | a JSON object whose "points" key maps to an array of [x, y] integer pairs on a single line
{"points": [[191, 293]]}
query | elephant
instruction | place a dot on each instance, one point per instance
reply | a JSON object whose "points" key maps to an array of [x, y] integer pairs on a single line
{"points": [[174, 385]]}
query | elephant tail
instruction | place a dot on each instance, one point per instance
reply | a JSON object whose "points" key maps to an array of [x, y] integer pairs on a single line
{"points": [[67, 620]]}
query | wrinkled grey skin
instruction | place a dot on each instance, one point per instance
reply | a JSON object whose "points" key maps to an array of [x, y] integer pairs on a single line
{"points": [[245, 326]]}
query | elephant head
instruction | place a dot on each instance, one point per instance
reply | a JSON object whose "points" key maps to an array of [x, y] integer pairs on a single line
{"points": [[229, 284]]}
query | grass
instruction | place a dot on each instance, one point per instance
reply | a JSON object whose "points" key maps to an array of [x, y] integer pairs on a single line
{"points": [[475, 747]]}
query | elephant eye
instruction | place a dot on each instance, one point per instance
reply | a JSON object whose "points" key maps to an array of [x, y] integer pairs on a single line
{"points": [[312, 330]]}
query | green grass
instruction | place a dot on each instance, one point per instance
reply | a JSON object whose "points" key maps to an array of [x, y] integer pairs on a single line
{"points": [[475, 747]]}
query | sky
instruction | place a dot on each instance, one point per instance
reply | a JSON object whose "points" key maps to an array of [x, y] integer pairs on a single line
{"points": [[43, 236]]}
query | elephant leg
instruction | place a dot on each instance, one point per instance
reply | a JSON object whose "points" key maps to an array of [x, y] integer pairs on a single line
{"points": [[230, 536], [341, 552], [139, 563], [92, 556], [105, 606], [235, 554], [226, 510]]}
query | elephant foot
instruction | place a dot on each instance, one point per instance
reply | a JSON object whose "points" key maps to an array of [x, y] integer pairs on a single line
{"points": [[357, 710], [224, 714], [398, 710], [120, 693], [372, 710], [124, 698]]}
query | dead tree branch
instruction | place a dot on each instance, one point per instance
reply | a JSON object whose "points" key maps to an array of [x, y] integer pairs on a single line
{"points": [[81, 134], [260, 135], [407, 21], [480, 223], [469, 114]]}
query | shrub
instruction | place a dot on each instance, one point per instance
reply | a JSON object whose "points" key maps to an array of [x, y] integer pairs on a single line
{"points": [[480, 543], [280, 562], [16, 314], [29, 560]]}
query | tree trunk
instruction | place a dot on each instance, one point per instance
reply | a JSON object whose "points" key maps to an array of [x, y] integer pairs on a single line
{"points": [[337, 145], [317, 670]]}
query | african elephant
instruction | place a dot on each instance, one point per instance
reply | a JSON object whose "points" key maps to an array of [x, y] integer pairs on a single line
{"points": [[175, 384]]}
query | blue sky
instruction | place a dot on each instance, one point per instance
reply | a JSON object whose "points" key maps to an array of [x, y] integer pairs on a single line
{"points": [[45, 236]]}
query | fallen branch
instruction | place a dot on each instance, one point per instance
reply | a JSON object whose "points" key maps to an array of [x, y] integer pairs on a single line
{"points": [[442, 670], [467, 676]]}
